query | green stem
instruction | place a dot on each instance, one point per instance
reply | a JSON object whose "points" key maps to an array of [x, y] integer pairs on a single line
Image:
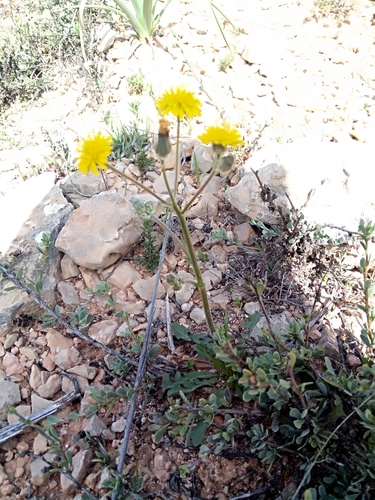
{"points": [[177, 166], [193, 261], [201, 187], [140, 185]]}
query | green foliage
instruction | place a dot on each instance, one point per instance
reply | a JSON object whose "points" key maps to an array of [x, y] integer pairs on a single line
{"points": [[136, 83], [225, 61], [34, 45], [106, 399], [128, 142], [144, 162], [142, 15], [150, 257]]}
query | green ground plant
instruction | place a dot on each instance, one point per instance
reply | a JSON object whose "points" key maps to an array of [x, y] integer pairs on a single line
{"points": [[40, 41], [150, 257]]}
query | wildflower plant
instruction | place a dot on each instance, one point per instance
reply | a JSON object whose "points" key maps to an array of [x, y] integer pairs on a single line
{"points": [[180, 103]]}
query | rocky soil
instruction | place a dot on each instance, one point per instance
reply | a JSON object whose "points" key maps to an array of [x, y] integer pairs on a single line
{"points": [[298, 72]]}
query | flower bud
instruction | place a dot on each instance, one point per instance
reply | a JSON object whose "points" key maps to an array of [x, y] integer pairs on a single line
{"points": [[163, 144], [174, 281]]}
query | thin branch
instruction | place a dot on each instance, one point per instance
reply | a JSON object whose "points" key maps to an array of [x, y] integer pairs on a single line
{"points": [[141, 366]]}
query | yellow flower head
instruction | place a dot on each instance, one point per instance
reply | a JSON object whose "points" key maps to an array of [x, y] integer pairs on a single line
{"points": [[222, 135], [93, 153], [180, 102]]}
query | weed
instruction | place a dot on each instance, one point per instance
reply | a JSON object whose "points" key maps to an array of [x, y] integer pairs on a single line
{"points": [[225, 62], [144, 162], [136, 83], [150, 257]]}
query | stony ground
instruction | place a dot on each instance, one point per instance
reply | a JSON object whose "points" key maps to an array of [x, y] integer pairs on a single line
{"points": [[297, 70]]}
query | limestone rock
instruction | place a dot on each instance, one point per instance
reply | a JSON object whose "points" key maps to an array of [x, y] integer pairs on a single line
{"points": [[207, 206], [79, 187], [81, 463], [100, 231], [104, 331], [37, 207], [187, 289], [198, 316], [145, 288], [331, 174], [49, 389], [57, 342], [124, 276], [9, 396], [68, 268], [85, 371], [68, 293], [67, 358], [204, 158]]}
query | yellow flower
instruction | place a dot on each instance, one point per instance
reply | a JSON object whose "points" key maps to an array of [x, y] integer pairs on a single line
{"points": [[180, 102], [93, 153], [223, 136]]}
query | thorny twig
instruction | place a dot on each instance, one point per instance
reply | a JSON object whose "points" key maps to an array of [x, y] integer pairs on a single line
{"points": [[141, 365]]}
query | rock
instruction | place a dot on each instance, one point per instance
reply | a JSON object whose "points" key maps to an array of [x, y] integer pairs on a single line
{"points": [[12, 365], [207, 206], [159, 185], [204, 157], [81, 464], [160, 310], [29, 352], [198, 316], [278, 322], [212, 278], [68, 268], [333, 174], [10, 339], [35, 379], [187, 289], [123, 276], [57, 342], [119, 425], [329, 342], [49, 389], [38, 403], [3, 475], [107, 37], [68, 293], [251, 307], [9, 395], [104, 331], [23, 410], [213, 186], [37, 207], [39, 472], [353, 361], [145, 288], [100, 231], [85, 371], [90, 278], [95, 426], [68, 386], [67, 358], [245, 234], [40, 444], [76, 183], [221, 299]]}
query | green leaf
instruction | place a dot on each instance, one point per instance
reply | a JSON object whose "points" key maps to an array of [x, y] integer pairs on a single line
{"points": [[181, 332], [252, 321], [19, 274], [158, 436], [198, 433]]}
